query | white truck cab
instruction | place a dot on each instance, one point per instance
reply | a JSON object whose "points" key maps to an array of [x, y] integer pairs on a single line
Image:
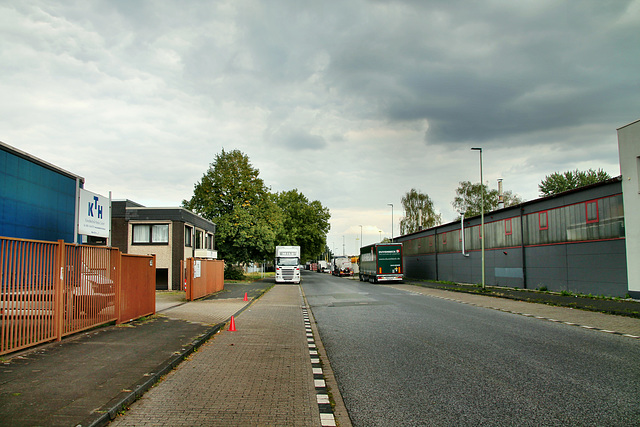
{"points": [[287, 264]]}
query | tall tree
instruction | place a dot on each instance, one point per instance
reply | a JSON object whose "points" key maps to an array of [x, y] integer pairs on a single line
{"points": [[469, 199], [419, 212], [246, 216], [559, 182], [304, 223]]}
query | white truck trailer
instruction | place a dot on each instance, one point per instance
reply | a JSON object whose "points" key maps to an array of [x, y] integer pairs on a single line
{"points": [[287, 264]]}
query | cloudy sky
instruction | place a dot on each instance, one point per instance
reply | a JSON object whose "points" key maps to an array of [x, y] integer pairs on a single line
{"points": [[351, 102]]}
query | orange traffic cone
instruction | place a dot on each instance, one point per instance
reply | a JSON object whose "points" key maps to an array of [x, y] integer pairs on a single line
{"points": [[232, 325], [245, 297]]}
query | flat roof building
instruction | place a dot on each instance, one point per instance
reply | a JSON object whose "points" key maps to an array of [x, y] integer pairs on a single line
{"points": [[173, 234]]}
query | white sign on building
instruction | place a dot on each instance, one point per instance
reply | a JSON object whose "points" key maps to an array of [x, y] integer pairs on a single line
{"points": [[94, 214]]}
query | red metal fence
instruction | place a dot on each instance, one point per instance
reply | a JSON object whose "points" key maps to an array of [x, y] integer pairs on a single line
{"points": [[138, 296], [203, 277], [50, 290]]}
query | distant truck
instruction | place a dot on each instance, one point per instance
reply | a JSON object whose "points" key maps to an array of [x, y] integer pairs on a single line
{"points": [[287, 264], [341, 266], [323, 266], [381, 262]]}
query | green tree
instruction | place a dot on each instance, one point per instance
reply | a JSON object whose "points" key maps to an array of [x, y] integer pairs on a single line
{"points": [[304, 224], [246, 216], [419, 212], [469, 199], [559, 182]]}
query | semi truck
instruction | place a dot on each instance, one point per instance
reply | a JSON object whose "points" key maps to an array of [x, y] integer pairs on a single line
{"points": [[381, 262], [323, 266], [287, 264], [341, 266]]}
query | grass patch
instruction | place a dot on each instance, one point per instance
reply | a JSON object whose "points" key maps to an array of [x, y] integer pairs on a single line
{"points": [[252, 277]]}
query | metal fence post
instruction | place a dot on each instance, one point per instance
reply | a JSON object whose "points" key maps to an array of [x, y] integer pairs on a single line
{"points": [[116, 277], [59, 290]]}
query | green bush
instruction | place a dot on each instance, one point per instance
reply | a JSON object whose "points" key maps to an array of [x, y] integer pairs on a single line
{"points": [[232, 272]]}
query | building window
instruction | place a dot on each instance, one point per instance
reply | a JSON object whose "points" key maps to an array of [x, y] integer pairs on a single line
{"points": [[188, 236], [150, 234], [592, 211], [507, 227], [543, 219], [198, 239], [444, 238], [209, 241]]}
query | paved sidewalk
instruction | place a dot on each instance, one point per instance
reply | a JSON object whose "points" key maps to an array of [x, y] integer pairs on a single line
{"points": [[261, 374], [622, 325], [85, 379]]}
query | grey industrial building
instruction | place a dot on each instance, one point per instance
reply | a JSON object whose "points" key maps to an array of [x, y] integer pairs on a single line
{"points": [[573, 241]]}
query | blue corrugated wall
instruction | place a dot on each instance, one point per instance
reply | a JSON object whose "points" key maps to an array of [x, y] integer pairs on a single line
{"points": [[35, 202]]}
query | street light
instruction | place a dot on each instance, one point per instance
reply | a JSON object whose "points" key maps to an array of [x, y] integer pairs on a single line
{"points": [[360, 236], [391, 204], [481, 212]]}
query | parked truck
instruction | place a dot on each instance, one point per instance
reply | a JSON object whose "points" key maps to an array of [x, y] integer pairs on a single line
{"points": [[287, 264], [381, 262], [341, 266], [323, 266]]}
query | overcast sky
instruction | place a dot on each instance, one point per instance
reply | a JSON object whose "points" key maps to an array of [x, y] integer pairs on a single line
{"points": [[351, 102]]}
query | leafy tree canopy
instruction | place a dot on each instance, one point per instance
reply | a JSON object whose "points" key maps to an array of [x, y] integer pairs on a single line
{"points": [[250, 220], [469, 199], [419, 212], [560, 182], [305, 223], [232, 196]]}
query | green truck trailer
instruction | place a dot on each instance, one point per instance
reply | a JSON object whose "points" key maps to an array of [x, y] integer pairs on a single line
{"points": [[381, 262]]}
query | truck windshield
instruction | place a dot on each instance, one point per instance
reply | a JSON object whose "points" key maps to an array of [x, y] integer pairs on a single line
{"points": [[287, 262]]}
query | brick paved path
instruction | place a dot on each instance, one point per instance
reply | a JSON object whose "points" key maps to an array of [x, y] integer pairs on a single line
{"points": [[259, 375], [589, 319]]}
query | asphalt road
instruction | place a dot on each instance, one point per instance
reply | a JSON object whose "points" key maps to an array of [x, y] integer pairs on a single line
{"points": [[402, 359]]}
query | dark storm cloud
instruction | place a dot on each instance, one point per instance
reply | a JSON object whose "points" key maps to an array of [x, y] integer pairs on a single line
{"points": [[493, 70]]}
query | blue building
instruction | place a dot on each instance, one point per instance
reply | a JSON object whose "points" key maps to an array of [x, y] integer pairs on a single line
{"points": [[37, 199]]}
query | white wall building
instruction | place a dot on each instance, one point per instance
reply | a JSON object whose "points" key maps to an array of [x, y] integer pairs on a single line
{"points": [[629, 151]]}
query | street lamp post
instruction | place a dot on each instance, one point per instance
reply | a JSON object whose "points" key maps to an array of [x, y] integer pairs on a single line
{"points": [[481, 212], [391, 204], [360, 236]]}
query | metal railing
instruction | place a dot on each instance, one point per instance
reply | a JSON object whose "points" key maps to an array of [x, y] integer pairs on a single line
{"points": [[50, 290]]}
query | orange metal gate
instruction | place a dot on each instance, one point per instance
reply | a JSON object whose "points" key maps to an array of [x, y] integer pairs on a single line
{"points": [[49, 290], [138, 294], [203, 277]]}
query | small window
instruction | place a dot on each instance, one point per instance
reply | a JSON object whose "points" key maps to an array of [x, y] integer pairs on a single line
{"points": [[507, 227], [459, 235], [150, 234], [430, 240], [198, 239], [543, 219], [444, 238], [480, 231], [188, 236], [592, 212]]}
